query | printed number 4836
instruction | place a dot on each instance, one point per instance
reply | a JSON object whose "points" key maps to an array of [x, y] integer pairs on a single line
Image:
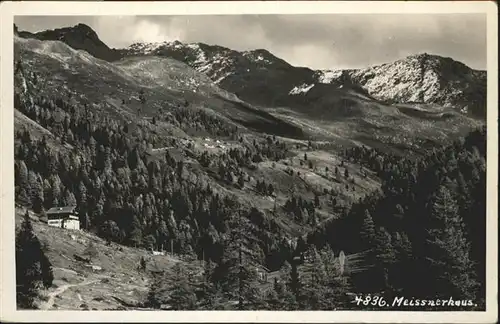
{"points": [[370, 301]]}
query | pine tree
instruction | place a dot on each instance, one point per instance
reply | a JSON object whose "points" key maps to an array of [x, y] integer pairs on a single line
{"points": [[149, 242], [33, 268], [37, 199], [22, 184], [34, 189], [69, 199], [142, 264], [91, 251], [367, 232], [241, 181], [293, 283], [316, 200], [404, 263], [47, 194], [155, 297], [210, 295], [384, 257], [56, 191], [236, 271], [315, 271], [110, 231], [270, 189], [85, 220], [82, 194], [182, 296], [336, 286], [135, 235], [448, 261]]}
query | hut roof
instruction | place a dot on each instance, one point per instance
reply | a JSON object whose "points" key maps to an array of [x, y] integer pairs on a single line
{"points": [[62, 210]]}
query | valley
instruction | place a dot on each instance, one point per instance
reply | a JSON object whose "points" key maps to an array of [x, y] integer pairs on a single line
{"points": [[218, 154]]}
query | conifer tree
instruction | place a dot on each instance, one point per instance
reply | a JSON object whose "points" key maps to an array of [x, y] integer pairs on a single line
{"points": [[37, 199], [291, 279], [155, 297], [236, 272], [316, 278], [447, 250], [336, 285], [91, 251], [33, 268], [135, 236], [142, 263], [291, 286], [182, 296], [384, 257], [22, 184], [367, 232]]}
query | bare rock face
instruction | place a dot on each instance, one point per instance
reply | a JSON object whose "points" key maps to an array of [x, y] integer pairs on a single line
{"points": [[79, 37], [261, 78], [421, 78]]}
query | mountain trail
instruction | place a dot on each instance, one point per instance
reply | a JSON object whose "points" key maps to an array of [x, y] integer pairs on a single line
{"points": [[50, 302]]}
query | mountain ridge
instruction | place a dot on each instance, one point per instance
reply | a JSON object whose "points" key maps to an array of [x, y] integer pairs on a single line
{"points": [[200, 147], [270, 102], [80, 37], [259, 77], [420, 78]]}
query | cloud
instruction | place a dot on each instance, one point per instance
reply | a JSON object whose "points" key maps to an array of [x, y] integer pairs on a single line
{"points": [[317, 41], [310, 55], [121, 31]]}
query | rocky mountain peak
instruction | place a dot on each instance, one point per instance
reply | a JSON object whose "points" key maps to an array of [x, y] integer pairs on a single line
{"points": [[418, 78], [80, 37]]}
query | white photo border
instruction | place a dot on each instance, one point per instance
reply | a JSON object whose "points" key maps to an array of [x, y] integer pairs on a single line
{"points": [[8, 10]]}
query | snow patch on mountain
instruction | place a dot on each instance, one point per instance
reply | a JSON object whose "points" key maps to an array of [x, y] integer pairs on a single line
{"points": [[302, 89], [217, 65], [220, 79], [145, 48], [200, 55], [256, 57], [417, 78], [327, 76]]}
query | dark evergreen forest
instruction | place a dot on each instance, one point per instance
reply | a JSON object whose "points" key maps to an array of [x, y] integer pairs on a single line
{"points": [[421, 235]]}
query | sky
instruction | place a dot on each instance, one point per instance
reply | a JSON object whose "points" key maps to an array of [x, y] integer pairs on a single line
{"points": [[332, 41]]}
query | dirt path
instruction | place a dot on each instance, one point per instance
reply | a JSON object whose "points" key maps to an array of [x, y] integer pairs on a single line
{"points": [[48, 305]]}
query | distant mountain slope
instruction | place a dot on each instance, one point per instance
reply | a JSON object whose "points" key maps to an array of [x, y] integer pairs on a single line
{"points": [[80, 37], [165, 82], [420, 78], [197, 147], [263, 79], [216, 80], [254, 76]]}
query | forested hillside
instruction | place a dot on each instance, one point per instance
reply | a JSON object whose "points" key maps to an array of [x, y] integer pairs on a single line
{"points": [[297, 207], [427, 223]]}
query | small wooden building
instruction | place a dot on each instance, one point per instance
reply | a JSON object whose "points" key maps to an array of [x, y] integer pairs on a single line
{"points": [[262, 273], [63, 217]]}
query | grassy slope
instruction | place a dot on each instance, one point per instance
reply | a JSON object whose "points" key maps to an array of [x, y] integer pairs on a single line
{"points": [[347, 118], [56, 66], [353, 118], [21, 121], [98, 289], [357, 120], [117, 284]]}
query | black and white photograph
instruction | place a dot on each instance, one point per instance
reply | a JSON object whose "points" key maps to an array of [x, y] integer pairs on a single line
{"points": [[167, 160]]}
